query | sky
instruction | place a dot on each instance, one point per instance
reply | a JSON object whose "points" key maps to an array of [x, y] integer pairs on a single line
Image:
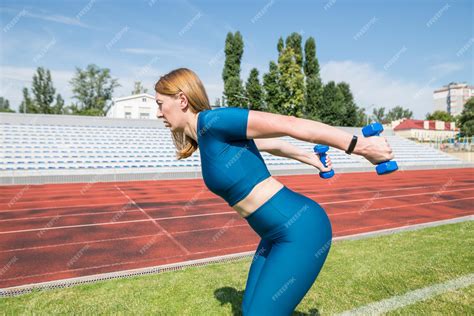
{"points": [[390, 52]]}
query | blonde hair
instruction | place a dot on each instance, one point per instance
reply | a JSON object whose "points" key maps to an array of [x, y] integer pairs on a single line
{"points": [[186, 81]]}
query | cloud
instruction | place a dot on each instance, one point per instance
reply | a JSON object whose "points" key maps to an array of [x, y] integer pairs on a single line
{"points": [[377, 88], [62, 19]]}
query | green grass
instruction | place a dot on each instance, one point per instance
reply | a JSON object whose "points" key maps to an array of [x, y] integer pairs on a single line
{"points": [[356, 273]]}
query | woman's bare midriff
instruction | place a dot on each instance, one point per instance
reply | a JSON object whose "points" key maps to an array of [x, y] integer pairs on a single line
{"points": [[260, 193]]}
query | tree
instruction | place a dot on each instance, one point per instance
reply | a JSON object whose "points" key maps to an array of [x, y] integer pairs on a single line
{"points": [[43, 90], [350, 108], [291, 82], [5, 105], [362, 118], [138, 88], [27, 105], [93, 89], [271, 84], [280, 45], [466, 118], [379, 115], [253, 91], [44, 95], [314, 86], [233, 87], [332, 109], [398, 113], [440, 116], [294, 41]]}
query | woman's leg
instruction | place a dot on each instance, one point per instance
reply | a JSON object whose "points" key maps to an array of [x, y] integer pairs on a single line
{"points": [[287, 275], [300, 245], [263, 249]]}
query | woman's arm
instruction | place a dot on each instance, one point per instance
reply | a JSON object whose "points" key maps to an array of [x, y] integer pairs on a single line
{"points": [[265, 125], [279, 147]]}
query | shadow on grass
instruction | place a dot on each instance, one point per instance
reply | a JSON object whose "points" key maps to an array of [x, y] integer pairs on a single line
{"points": [[230, 295]]}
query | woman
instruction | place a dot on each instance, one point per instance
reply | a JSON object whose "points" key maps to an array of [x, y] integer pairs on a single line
{"points": [[296, 232]]}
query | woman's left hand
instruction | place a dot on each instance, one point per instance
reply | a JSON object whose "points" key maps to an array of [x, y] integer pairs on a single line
{"points": [[316, 162]]}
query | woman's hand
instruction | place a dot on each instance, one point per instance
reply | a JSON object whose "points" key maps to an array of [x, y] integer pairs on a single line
{"points": [[315, 161], [375, 149]]}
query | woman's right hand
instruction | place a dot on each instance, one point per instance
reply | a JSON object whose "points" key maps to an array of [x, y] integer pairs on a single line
{"points": [[375, 149]]}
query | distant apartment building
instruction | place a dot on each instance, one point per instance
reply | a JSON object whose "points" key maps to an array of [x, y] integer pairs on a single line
{"points": [[452, 97], [138, 106]]}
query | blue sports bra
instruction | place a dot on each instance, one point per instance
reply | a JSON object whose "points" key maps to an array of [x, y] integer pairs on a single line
{"points": [[231, 164]]}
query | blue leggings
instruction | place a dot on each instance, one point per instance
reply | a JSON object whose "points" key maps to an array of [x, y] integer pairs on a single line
{"points": [[296, 236]]}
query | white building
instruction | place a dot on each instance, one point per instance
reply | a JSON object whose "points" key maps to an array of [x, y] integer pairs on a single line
{"points": [[423, 130], [452, 97], [138, 106]]}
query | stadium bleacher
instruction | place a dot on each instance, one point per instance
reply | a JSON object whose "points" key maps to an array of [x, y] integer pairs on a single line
{"points": [[46, 145]]}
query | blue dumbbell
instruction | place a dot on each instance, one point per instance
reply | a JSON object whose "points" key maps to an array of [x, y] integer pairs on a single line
{"points": [[321, 151], [385, 167]]}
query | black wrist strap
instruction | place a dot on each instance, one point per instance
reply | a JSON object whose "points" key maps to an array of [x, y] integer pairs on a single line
{"points": [[352, 145]]}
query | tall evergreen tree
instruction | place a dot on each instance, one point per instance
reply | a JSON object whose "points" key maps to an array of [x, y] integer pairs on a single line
{"points": [[350, 108], [253, 91], [27, 105], [43, 90], [43, 95], [233, 86], [280, 46], [314, 86], [272, 89], [291, 82], [294, 41], [332, 109]]}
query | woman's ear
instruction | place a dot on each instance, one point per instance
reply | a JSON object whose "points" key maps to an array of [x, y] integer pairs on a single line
{"points": [[183, 100]]}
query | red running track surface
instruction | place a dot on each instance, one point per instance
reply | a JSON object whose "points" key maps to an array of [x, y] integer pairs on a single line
{"points": [[56, 231]]}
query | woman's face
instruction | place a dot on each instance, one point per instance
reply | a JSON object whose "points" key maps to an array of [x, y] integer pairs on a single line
{"points": [[168, 110]]}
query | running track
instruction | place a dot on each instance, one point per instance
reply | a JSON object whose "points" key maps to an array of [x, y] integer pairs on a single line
{"points": [[57, 231]]}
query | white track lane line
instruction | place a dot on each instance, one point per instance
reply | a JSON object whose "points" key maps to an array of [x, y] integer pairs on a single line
{"points": [[218, 203], [212, 214], [409, 298]]}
